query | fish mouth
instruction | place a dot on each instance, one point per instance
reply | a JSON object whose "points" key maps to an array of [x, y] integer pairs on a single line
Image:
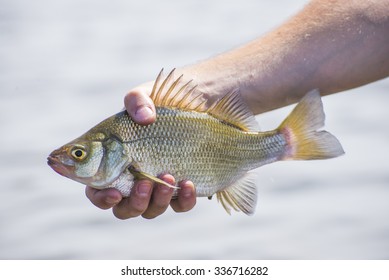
{"points": [[57, 166], [51, 160]]}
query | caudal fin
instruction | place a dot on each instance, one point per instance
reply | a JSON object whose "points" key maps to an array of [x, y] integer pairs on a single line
{"points": [[300, 129]]}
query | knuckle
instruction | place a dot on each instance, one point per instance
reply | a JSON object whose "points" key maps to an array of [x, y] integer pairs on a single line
{"points": [[149, 216], [96, 199], [154, 212], [103, 206], [129, 209], [123, 215], [138, 208], [182, 206]]}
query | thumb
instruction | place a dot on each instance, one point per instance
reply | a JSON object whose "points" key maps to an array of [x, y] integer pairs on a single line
{"points": [[139, 106]]}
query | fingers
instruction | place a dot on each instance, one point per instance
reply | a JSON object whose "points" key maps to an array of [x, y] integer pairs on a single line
{"points": [[186, 199], [140, 106], [160, 198], [136, 203], [103, 199], [146, 199]]}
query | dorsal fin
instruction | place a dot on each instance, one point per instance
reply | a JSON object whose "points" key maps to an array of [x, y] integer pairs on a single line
{"points": [[233, 110], [230, 109]]}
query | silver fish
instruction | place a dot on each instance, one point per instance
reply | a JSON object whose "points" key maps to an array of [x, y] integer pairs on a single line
{"points": [[214, 145]]}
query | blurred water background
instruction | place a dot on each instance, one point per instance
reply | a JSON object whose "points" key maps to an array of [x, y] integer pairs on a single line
{"points": [[66, 64]]}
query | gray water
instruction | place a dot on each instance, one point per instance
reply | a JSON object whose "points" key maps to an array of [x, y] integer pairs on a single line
{"points": [[66, 65]]}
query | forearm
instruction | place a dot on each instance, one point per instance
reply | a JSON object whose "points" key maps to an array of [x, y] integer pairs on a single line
{"points": [[329, 45]]}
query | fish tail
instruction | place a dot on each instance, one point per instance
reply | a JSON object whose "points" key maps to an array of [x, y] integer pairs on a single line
{"points": [[300, 129]]}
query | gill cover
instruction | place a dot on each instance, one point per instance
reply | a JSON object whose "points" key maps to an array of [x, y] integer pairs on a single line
{"points": [[112, 164]]}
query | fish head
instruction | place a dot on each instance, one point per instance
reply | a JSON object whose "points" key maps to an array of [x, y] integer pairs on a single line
{"points": [[96, 163]]}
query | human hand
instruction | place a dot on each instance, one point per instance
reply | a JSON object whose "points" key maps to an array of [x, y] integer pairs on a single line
{"points": [[146, 198]]}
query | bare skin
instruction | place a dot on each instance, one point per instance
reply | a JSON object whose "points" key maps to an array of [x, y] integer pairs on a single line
{"points": [[330, 45], [146, 199]]}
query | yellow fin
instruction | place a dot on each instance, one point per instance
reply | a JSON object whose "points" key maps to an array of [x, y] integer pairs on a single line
{"points": [[240, 196], [231, 109], [300, 129], [142, 175]]}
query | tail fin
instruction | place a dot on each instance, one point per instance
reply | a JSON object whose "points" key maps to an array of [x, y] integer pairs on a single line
{"points": [[300, 129]]}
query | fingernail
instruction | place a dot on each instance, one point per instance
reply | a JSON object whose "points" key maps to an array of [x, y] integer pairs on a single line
{"points": [[143, 189], [164, 189], [143, 113], [187, 190], [112, 200]]}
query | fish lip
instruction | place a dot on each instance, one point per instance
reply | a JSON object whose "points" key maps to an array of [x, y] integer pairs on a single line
{"points": [[52, 160], [54, 163], [57, 165]]}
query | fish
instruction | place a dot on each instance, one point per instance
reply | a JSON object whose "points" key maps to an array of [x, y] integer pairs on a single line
{"points": [[214, 144]]}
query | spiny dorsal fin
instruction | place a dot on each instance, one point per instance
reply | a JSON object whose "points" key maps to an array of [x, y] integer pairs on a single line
{"points": [[240, 196], [230, 109], [168, 94]]}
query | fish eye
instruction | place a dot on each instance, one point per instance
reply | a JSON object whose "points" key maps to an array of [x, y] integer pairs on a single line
{"points": [[78, 153]]}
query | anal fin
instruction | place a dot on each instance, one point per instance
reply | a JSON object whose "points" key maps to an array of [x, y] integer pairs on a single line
{"points": [[240, 196]]}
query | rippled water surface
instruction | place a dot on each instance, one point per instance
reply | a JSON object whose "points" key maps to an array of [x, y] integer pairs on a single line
{"points": [[65, 65]]}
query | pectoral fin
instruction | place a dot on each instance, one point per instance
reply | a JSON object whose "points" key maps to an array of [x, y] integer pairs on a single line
{"points": [[143, 175]]}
